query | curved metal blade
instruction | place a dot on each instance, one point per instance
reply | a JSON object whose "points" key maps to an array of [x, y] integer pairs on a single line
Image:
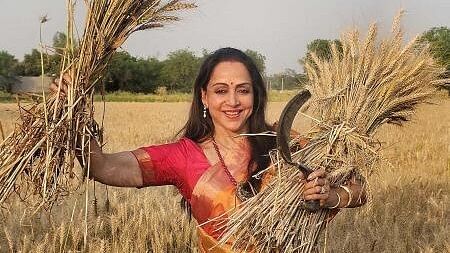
{"points": [[284, 136], [285, 124]]}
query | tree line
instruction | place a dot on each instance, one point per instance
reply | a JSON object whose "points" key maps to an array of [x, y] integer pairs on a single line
{"points": [[178, 71]]}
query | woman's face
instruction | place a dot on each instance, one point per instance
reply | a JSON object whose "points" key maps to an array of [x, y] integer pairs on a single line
{"points": [[229, 97]]}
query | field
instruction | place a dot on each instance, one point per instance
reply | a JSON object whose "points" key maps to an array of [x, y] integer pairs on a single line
{"points": [[409, 212], [123, 96]]}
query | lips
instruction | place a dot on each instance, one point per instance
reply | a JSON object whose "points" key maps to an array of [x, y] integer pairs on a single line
{"points": [[232, 113]]}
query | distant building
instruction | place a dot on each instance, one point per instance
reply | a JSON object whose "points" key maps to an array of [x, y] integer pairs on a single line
{"points": [[31, 84]]}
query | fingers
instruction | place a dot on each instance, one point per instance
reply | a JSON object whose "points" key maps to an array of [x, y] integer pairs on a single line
{"points": [[316, 174], [317, 187], [316, 181], [53, 87], [302, 176], [60, 84], [66, 78], [323, 197]]}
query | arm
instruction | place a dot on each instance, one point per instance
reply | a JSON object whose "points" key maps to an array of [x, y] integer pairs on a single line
{"points": [[116, 169]]}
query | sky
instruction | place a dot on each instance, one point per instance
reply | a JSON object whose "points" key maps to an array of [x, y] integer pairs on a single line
{"points": [[280, 30]]}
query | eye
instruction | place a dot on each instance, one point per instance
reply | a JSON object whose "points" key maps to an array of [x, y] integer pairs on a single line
{"points": [[220, 91], [243, 90]]}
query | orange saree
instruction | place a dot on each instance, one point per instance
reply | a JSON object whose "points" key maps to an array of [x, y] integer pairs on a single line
{"points": [[206, 187]]}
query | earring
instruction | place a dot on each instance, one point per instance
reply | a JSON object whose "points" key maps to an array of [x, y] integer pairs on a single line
{"points": [[204, 111]]}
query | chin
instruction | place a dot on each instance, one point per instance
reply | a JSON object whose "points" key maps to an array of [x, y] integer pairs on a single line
{"points": [[236, 126], [236, 129]]}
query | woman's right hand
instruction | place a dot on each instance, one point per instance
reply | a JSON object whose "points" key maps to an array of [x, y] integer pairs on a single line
{"points": [[116, 169], [60, 84]]}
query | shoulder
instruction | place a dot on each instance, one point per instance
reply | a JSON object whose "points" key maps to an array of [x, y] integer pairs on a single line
{"points": [[174, 156], [183, 145]]}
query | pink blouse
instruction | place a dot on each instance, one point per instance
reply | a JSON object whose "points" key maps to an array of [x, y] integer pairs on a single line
{"points": [[180, 164], [206, 187]]}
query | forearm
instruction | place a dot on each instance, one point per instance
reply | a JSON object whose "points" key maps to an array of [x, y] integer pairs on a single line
{"points": [[117, 169], [95, 157]]}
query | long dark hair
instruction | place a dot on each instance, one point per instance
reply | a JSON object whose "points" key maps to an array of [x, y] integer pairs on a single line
{"points": [[198, 128]]}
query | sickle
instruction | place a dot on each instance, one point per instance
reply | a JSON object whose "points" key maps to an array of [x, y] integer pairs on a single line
{"points": [[283, 137], [284, 128]]}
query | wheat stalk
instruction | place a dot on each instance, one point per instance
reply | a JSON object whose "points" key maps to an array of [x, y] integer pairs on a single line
{"points": [[356, 91], [9, 240], [38, 157]]}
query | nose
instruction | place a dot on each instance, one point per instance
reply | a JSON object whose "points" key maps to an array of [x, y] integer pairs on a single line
{"points": [[233, 99]]}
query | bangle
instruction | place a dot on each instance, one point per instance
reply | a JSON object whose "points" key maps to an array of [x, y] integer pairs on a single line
{"points": [[338, 203], [350, 196]]}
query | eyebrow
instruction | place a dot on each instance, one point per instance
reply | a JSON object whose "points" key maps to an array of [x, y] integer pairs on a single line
{"points": [[237, 85]]}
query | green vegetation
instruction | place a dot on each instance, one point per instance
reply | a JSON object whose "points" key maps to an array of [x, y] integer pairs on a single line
{"points": [[286, 80], [130, 74], [259, 59], [123, 96], [125, 73], [140, 97], [321, 48], [6, 97], [8, 70], [439, 40], [177, 72]]}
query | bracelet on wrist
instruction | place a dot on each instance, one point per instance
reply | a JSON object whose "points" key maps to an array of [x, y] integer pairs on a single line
{"points": [[350, 195], [338, 202]]}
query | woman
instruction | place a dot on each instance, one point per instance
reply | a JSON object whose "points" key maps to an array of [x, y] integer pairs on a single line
{"points": [[209, 165]]}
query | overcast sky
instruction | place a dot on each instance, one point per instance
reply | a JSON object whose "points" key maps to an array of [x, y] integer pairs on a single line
{"points": [[280, 30]]}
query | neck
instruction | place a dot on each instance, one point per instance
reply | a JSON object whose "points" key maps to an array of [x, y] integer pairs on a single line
{"points": [[228, 139]]}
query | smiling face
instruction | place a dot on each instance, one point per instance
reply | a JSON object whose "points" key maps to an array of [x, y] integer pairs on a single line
{"points": [[229, 97]]}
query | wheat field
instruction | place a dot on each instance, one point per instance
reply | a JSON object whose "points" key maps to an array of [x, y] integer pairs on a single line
{"points": [[409, 211]]}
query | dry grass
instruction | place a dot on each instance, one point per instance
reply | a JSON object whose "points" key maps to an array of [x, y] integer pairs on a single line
{"points": [[37, 159], [372, 82], [410, 209]]}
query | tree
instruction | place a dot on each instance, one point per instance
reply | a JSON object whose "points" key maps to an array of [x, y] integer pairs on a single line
{"points": [[294, 80], [259, 59], [59, 41], [439, 40], [56, 58], [322, 48], [8, 70], [179, 70], [149, 71], [127, 73], [31, 64], [119, 71]]}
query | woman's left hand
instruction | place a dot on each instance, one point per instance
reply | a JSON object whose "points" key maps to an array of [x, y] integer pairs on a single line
{"points": [[317, 187]]}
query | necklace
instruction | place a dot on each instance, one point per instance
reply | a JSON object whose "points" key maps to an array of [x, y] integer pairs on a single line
{"points": [[241, 192]]}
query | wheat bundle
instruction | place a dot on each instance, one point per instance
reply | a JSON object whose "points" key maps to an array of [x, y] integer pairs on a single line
{"points": [[38, 157], [357, 90]]}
